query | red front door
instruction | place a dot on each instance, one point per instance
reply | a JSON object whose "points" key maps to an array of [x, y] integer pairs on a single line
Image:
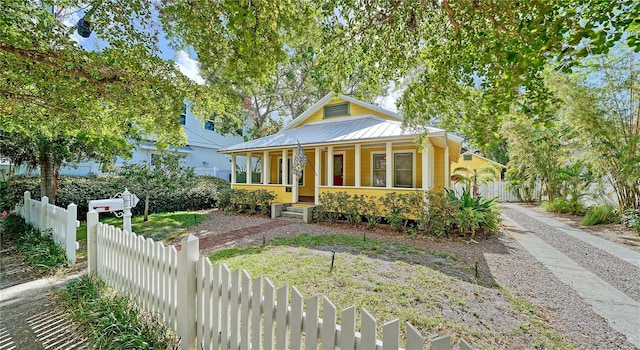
{"points": [[338, 169]]}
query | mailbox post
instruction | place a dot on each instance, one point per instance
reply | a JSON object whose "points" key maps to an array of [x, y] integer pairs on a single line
{"points": [[121, 202]]}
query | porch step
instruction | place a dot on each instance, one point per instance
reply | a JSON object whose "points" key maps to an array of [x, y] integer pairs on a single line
{"points": [[292, 214], [295, 209]]}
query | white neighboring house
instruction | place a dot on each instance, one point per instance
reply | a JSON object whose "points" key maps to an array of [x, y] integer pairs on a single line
{"points": [[201, 151]]}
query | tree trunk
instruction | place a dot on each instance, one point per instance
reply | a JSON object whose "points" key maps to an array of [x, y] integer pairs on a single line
{"points": [[47, 175], [146, 206]]}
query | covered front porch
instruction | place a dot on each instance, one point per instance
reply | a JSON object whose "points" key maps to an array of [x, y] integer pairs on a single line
{"points": [[373, 168]]}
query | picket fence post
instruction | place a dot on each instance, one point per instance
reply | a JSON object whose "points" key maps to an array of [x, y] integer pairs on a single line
{"points": [[43, 213], [92, 242], [70, 234], [27, 206], [187, 283]]}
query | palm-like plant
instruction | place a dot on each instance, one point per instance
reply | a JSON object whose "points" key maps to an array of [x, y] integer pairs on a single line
{"points": [[472, 179]]}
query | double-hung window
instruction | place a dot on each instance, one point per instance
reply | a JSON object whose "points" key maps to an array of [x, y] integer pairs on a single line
{"points": [[402, 169]]}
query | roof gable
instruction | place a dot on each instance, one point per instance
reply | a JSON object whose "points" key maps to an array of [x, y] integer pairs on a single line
{"points": [[481, 157], [357, 108]]}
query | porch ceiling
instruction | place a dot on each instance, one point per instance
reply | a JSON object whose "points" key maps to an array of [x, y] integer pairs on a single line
{"points": [[338, 131]]}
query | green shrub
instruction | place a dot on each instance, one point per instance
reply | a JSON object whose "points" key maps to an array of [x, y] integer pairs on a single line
{"points": [[601, 214], [437, 220], [564, 206], [631, 218], [370, 210], [37, 247], [113, 321], [400, 208], [241, 200], [473, 214], [80, 190]]}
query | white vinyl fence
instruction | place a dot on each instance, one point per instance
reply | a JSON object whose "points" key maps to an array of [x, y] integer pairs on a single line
{"points": [[494, 189], [62, 222], [212, 308]]}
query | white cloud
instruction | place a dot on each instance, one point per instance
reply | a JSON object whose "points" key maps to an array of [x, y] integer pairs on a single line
{"points": [[389, 101], [188, 66]]}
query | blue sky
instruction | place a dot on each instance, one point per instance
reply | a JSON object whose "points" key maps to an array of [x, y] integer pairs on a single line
{"points": [[186, 61]]}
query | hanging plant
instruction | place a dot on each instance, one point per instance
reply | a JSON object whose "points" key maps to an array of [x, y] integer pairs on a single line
{"points": [[84, 27]]}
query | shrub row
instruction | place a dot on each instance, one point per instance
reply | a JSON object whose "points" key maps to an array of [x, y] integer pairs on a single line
{"points": [[250, 201], [79, 190], [37, 247], [398, 210], [446, 212]]}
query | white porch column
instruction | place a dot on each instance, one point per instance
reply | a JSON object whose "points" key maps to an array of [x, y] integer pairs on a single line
{"points": [[426, 165], [294, 181], [357, 164], [447, 172], [318, 169], [249, 166], [266, 168], [285, 168], [431, 164], [233, 168], [329, 166], [389, 169]]}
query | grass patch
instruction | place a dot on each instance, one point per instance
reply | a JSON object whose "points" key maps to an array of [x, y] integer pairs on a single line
{"points": [[37, 247], [160, 227], [602, 214], [111, 320]]}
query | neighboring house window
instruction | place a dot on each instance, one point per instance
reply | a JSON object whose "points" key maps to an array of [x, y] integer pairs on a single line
{"points": [[209, 125], [403, 170], [336, 110], [467, 157], [379, 170], [183, 115], [155, 157], [290, 173]]}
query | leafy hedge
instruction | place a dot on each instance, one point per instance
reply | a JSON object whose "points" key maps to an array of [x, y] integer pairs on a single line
{"points": [[465, 215], [250, 201], [79, 190]]}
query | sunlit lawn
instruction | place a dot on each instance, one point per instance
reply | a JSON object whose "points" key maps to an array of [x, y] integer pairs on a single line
{"points": [[160, 227]]}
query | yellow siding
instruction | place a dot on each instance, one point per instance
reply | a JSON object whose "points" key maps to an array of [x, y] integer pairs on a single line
{"points": [[475, 163], [282, 196], [354, 110], [308, 189]]}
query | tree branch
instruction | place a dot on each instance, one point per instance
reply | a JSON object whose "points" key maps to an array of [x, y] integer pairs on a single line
{"points": [[51, 61]]}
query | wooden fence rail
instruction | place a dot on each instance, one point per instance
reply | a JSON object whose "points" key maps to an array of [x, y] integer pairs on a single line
{"points": [[213, 308], [62, 222]]}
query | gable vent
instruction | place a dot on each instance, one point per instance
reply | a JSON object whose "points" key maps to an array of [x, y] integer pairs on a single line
{"points": [[337, 110]]}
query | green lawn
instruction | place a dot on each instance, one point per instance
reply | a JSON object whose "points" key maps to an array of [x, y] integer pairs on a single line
{"points": [[160, 227]]}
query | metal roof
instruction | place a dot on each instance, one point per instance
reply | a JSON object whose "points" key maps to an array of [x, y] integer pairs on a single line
{"points": [[360, 128]]}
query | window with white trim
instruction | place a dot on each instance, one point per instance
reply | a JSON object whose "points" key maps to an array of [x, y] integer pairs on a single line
{"points": [[289, 173], [379, 176], [403, 169]]}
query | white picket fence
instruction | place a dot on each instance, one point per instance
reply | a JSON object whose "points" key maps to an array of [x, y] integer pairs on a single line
{"points": [[62, 222], [212, 308], [491, 190]]}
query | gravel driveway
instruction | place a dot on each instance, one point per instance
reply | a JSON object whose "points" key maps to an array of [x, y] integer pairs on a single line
{"points": [[569, 312]]}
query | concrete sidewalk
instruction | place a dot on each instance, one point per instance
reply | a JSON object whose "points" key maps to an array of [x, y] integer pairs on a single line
{"points": [[29, 320], [621, 312]]}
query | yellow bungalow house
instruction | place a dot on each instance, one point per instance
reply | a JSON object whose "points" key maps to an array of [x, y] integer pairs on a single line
{"points": [[472, 161], [351, 146]]}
